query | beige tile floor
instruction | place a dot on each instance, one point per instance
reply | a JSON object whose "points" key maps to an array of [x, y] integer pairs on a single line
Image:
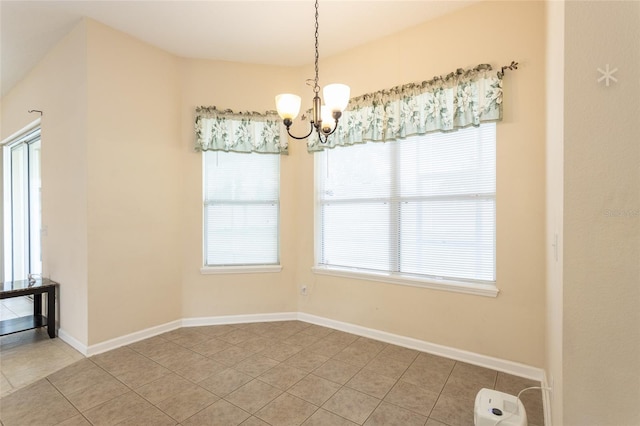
{"points": [[31, 355], [279, 373]]}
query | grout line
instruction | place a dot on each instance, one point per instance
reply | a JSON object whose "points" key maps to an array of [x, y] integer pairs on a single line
{"points": [[67, 399], [441, 391]]}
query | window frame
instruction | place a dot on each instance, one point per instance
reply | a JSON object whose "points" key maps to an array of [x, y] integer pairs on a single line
{"points": [[475, 287], [207, 269]]}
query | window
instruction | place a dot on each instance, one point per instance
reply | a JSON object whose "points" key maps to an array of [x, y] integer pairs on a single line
{"points": [[22, 209], [420, 209], [241, 209]]}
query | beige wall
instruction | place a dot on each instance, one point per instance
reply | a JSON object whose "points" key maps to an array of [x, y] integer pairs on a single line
{"points": [[601, 351], [555, 161], [440, 317], [111, 180], [58, 86], [240, 88], [510, 326], [134, 185]]}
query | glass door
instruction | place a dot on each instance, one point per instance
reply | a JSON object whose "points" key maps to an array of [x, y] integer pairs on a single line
{"points": [[23, 212]]}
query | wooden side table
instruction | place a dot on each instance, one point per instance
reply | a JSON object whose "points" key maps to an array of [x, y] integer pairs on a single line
{"points": [[37, 289]]}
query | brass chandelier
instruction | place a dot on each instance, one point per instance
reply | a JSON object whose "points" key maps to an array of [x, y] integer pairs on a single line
{"points": [[324, 118]]}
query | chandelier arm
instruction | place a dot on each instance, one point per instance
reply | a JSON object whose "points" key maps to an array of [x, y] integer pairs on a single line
{"points": [[334, 128], [303, 137], [326, 135], [326, 138]]}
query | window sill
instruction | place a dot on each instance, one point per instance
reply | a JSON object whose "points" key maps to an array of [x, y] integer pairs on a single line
{"points": [[209, 270], [477, 289]]}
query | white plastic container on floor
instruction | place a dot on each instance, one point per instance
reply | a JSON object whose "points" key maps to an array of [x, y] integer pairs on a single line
{"points": [[493, 408]]}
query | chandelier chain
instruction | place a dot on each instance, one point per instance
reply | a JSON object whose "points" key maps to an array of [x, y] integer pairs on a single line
{"points": [[289, 105], [316, 87]]}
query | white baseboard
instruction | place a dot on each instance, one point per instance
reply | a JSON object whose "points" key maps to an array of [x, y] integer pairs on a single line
{"points": [[497, 364], [72, 341], [239, 319], [131, 338], [546, 400], [185, 322]]}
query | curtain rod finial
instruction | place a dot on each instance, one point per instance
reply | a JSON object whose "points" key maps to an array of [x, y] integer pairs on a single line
{"points": [[512, 66]]}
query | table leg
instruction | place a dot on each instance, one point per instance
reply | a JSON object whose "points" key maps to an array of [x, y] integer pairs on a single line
{"points": [[37, 304], [51, 312]]}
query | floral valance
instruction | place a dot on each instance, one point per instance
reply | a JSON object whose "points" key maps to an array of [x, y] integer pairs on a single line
{"points": [[461, 99], [218, 130]]}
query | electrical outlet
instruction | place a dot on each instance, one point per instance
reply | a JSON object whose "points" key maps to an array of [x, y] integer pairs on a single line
{"points": [[303, 290]]}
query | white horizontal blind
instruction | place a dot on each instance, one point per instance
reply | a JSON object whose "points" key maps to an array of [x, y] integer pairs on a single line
{"points": [[422, 207], [241, 208]]}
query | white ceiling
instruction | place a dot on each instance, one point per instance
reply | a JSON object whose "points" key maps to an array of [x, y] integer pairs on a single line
{"points": [[260, 31]]}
